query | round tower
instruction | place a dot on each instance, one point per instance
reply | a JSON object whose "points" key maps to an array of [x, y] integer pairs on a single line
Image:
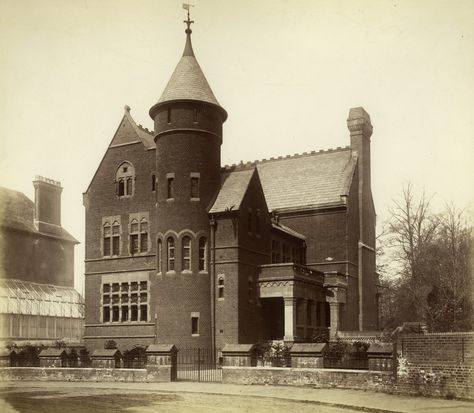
{"points": [[188, 136]]}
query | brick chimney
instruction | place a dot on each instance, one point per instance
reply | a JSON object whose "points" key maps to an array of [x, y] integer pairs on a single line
{"points": [[360, 129], [47, 205]]}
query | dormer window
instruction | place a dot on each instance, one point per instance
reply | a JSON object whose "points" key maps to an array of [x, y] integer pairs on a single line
{"points": [[125, 180]]}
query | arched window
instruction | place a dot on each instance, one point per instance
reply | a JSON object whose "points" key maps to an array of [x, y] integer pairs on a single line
{"points": [[125, 179], [202, 254], [170, 254], [160, 256], [186, 254]]}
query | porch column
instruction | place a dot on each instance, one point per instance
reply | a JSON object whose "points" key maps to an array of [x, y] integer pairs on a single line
{"points": [[334, 309], [304, 312], [290, 318]]}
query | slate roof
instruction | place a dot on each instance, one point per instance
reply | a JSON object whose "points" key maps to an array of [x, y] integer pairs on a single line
{"points": [[17, 211], [233, 188], [287, 230], [310, 180], [188, 81]]}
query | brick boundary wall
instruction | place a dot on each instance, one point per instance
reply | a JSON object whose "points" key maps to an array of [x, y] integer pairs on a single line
{"points": [[318, 378], [436, 364]]}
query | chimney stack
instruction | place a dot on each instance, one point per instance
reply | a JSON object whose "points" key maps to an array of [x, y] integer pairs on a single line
{"points": [[48, 205]]}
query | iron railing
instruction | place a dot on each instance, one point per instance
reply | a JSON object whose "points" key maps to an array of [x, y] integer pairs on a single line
{"points": [[198, 364]]}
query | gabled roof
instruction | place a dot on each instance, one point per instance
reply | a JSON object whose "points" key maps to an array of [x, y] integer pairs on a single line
{"points": [[310, 180], [17, 211], [188, 81], [128, 132], [233, 188]]}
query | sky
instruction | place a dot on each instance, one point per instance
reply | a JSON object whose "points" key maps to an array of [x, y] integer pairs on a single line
{"points": [[287, 72]]}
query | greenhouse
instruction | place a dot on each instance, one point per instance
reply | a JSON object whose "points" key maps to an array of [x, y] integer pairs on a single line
{"points": [[32, 311]]}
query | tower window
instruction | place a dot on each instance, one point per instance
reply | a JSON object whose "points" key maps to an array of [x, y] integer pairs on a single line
{"points": [[169, 115], [143, 235], [125, 178], [134, 247], [195, 115], [202, 254], [250, 288], [170, 186], [195, 185], [220, 287], [153, 182], [170, 254]]}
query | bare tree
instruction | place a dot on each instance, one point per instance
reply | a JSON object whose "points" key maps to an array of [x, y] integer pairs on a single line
{"points": [[412, 229]]}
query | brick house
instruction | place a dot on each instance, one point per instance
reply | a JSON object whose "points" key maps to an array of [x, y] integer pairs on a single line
{"points": [[182, 250], [38, 302]]}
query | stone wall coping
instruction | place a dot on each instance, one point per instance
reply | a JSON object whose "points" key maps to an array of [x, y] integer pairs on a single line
{"points": [[238, 348], [378, 349], [53, 352], [309, 369], [161, 348], [113, 352], [308, 349]]}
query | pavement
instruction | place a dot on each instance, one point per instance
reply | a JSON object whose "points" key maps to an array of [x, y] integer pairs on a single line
{"points": [[366, 401]]}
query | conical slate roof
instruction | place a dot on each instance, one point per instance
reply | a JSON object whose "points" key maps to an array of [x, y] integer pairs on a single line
{"points": [[188, 81]]}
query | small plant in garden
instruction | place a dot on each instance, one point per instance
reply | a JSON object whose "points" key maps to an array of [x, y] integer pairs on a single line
{"points": [[84, 357]]}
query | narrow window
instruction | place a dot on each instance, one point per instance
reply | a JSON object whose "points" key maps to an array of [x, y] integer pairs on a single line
{"points": [[257, 222], [220, 287], [250, 288], [121, 188], [133, 313], [129, 186], [143, 235], [194, 325], [170, 193], [275, 252], [106, 234], [106, 314], [169, 115], [124, 313], [186, 254], [115, 238], [134, 247], [195, 115], [115, 313], [194, 187], [143, 312], [160, 256], [202, 254], [249, 221], [170, 254], [153, 182]]}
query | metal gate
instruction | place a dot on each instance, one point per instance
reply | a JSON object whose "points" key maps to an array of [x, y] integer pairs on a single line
{"points": [[198, 364]]}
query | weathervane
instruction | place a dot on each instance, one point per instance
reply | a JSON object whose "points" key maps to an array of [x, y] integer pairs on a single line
{"points": [[187, 6]]}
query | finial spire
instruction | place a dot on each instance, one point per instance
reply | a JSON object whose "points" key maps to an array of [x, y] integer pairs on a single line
{"points": [[187, 6]]}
